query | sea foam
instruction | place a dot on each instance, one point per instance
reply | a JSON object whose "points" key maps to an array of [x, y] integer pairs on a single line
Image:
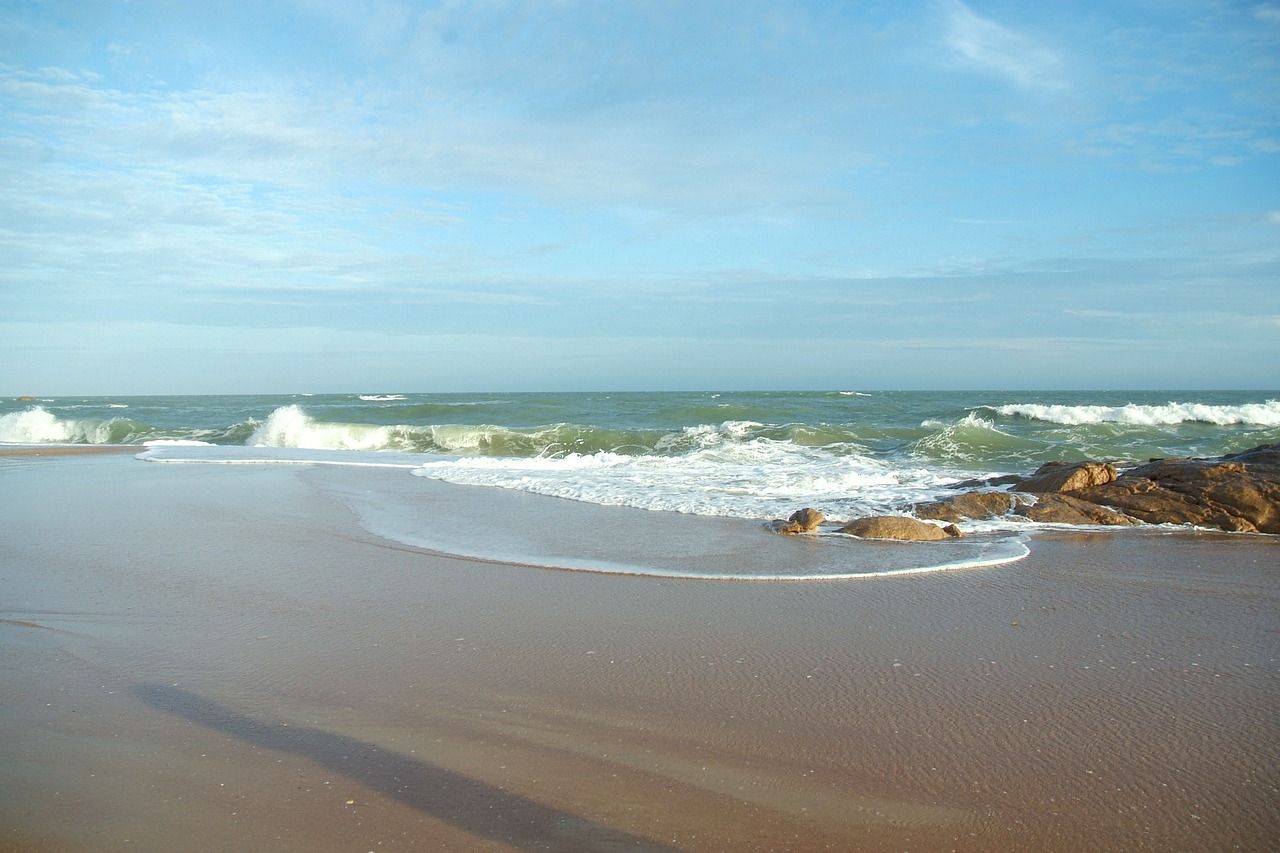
{"points": [[758, 479]]}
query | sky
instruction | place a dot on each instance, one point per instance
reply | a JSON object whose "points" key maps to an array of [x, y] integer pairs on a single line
{"points": [[359, 195]]}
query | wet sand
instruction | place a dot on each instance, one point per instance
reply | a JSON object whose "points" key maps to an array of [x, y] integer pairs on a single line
{"points": [[65, 450], [202, 657]]}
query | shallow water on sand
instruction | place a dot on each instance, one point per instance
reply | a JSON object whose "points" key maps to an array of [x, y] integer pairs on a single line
{"points": [[538, 531]]}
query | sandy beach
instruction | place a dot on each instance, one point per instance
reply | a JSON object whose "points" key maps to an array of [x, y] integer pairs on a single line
{"points": [[218, 657]]}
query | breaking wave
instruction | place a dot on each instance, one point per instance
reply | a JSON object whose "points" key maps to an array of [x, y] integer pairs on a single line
{"points": [[1249, 414], [37, 425]]}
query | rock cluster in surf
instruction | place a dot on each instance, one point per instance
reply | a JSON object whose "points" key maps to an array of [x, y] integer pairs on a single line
{"points": [[1237, 493]]}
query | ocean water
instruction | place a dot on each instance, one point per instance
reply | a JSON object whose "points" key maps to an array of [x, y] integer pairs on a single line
{"points": [[744, 456]]}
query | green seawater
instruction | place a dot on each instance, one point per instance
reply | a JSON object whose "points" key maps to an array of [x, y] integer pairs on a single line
{"points": [[977, 430]]}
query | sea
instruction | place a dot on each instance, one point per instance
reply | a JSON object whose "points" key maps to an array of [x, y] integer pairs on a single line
{"points": [[743, 458]]}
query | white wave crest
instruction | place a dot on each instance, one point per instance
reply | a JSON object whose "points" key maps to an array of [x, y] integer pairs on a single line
{"points": [[1249, 414], [963, 440], [36, 425], [289, 426], [707, 436]]}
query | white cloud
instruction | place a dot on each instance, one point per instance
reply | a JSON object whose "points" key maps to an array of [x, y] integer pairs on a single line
{"points": [[1268, 13], [986, 45], [656, 153]]}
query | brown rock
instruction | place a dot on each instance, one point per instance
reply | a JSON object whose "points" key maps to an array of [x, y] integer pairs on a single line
{"points": [[1249, 502], [967, 505], [1065, 509], [1068, 476], [1147, 501], [801, 521], [1240, 492], [1263, 460], [897, 527]]}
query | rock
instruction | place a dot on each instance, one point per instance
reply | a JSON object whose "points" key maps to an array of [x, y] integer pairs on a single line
{"points": [[1065, 509], [898, 527], [801, 521], [967, 505], [1240, 492], [1263, 460], [1150, 503], [1067, 477]]}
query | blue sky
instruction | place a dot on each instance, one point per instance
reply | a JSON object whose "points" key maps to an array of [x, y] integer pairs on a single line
{"points": [[329, 195]]}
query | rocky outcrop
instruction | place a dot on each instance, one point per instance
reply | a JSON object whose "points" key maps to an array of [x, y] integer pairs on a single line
{"points": [[1064, 509], [1239, 493], [801, 521], [1067, 477], [969, 505], [898, 527]]}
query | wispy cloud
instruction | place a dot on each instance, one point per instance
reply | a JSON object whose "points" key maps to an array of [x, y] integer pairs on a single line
{"points": [[988, 46], [1178, 142], [1268, 13]]}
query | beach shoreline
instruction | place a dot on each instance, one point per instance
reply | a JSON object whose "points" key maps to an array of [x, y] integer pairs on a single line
{"points": [[203, 656], [66, 449]]}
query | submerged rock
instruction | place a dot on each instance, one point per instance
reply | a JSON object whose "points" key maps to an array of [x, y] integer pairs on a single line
{"points": [[801, 521], [898, 527]]}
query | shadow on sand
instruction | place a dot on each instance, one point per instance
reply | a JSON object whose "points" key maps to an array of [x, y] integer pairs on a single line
{"points": [[469, 804]]}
